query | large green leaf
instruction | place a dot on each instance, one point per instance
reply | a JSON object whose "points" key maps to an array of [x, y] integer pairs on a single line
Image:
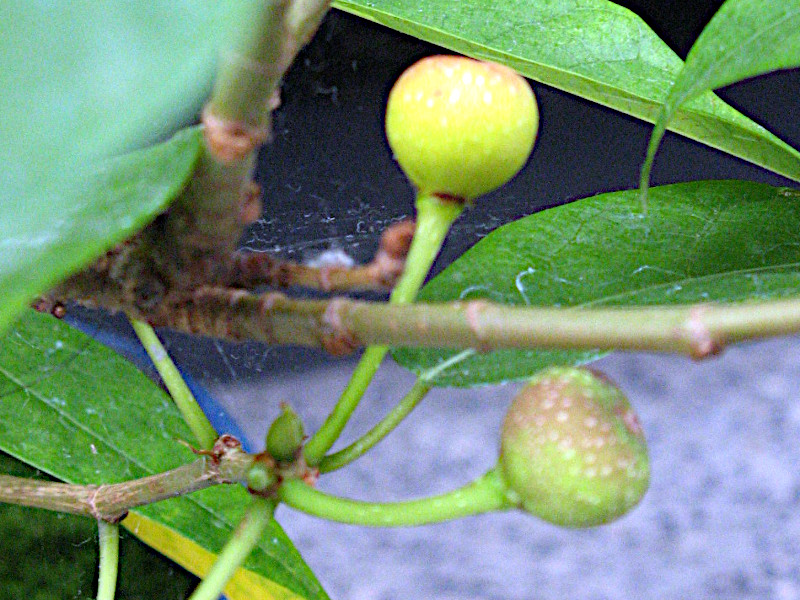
{"points": [[83, 81], [79, 412], [744, 39], [704, 241], [52, 559], [54, 230], [592, 48]]}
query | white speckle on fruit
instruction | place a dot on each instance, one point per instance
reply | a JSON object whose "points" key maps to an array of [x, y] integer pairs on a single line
{"points": [[487, 97], [590, 459], [562, 416], [429, 103], [553, 436], [455, 96], [443, 121], [407, 97], [480, 80], [547, 404], [419, 96], [590, 422], [467, 78], [448, 72]]}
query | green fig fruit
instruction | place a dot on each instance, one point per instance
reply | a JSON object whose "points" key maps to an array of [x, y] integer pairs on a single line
{"points": [[459, 127], [572, 449]]}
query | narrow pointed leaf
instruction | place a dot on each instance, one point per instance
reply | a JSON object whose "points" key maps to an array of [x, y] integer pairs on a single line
{"points": [[723, 241], [77, 411], [744, 39], [591, 48]]}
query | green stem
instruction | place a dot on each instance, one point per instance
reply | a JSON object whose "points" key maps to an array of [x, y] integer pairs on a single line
{"points": [[485, 494], [236, 549], [434, 219], [201, 427], [377, 433], [252, 68], [109, 560]]}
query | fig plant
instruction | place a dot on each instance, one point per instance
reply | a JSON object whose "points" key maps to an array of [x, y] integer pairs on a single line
{"points": [[130, 211]]}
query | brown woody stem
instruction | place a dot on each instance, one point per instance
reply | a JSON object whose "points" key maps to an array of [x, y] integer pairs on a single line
{"points": [[111, 502], [251, 269]]}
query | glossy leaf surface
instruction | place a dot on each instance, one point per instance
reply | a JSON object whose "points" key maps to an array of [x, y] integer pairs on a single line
{"points": [[55, 555], [83, 82], [44, 240], [77, 411], [744, 39], [591, 48], [720, 241]]}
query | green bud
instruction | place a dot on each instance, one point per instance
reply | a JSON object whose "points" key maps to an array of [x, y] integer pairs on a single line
{"points": [[285, 435], [572, 449], [259, 478], [459, 127]]}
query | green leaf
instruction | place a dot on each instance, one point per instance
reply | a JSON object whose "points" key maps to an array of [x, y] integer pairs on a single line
{"points": [[744, 39], [46, 237], [54, 555], [83, 81], [77, 411], [591, 48], [721, 241]]}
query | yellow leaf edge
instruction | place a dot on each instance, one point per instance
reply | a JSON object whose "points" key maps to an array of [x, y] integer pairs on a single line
{"points": [[244, 585]]}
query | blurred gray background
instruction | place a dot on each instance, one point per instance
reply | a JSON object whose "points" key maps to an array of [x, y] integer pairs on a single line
{"points": [[722, 517]]}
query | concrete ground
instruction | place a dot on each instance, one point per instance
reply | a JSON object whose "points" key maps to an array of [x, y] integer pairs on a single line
{"points": [[721, 519]]}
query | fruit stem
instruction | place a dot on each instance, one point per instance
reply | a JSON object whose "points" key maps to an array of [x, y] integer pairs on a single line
{"points": [[485, 494], [435, 216], [194, 416], [376, 434], [236, 549], [109, 560]]}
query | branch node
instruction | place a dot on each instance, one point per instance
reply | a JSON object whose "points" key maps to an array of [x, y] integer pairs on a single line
{"points": [[701, 341], [250, 207], [336, 339], [230, 141], [472, 314]]}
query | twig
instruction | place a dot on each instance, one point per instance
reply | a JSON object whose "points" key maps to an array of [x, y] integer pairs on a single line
{"points": [[251, 269], [340, 324], [111, 502]]}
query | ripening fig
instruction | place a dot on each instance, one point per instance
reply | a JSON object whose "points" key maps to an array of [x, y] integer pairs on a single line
{"points": [[459, 127], [572, 449]]}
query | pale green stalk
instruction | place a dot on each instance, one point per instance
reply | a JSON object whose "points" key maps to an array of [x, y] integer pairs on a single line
{"points": [[434, 218], [194, 416], [109, 560]]}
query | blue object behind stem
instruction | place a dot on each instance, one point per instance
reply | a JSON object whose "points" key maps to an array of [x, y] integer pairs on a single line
{"points": [[132, 350]]}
